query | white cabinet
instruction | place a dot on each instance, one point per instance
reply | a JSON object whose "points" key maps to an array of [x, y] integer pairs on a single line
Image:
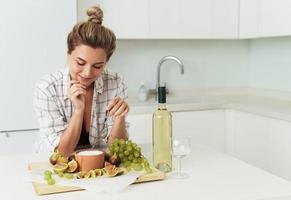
{"points": [[140, 128], [127, 18], [17, 142], [249, 19], [265, 18], [194, 19], [260, 141], [204, 127], [180, 19], [274, 18], [162, 19]]}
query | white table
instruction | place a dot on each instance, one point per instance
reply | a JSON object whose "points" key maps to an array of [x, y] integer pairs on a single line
{"points": [[213, 175]]}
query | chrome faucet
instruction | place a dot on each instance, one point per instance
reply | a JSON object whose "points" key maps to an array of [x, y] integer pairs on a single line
{"points": [[166, 58]]}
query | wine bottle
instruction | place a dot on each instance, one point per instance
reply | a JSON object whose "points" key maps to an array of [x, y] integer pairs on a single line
{"points": [[162, 134]]}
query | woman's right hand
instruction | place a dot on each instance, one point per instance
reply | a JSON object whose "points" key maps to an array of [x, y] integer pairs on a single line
{"points": [[76, 93]]}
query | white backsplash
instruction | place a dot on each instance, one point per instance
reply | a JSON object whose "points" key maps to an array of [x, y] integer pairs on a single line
{"points": [[208, 63], [270, 63]]}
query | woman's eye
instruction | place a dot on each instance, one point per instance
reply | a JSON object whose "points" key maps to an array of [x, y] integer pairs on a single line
{"points": [[98, 66], [79, 63]]}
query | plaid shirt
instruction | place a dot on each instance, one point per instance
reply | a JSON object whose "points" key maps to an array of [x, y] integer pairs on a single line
{"points": [[54, 109]]}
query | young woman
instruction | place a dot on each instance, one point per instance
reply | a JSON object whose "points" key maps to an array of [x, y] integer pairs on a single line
{"points": [[84, 104]]}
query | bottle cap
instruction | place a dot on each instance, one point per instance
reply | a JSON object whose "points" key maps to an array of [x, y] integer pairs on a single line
{"points": [[162, 94]]}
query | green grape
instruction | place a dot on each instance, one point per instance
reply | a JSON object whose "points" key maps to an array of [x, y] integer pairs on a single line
{"points": [[61, 174], [138, 149], [120, 155], [47, 172], [130, 157], [126, 153], [69, 176], [111, 148], [124, 159], [116, 149], [134, 145], [47, 176], [139, 160], [148, 170], [51, 181], [136, 154], [121, 142], [128, 169], [129, 148], [129, 142], [137, 167], [135, 160]]}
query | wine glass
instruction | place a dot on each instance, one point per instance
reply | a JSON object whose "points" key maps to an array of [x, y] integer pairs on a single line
{"points": [[181, 147]]}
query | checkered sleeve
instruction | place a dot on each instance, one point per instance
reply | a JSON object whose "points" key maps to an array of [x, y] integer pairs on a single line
{"points": [[121, 90], [51, 122]]}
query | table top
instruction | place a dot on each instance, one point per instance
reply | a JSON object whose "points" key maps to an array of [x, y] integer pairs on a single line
{"points": [[212, 176]]}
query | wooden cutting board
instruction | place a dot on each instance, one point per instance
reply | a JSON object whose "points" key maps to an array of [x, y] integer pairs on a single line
{"points": [[43, 188]]}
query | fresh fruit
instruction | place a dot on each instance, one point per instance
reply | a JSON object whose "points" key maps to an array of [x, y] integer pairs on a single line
{"points": [[47, 176], [60, 167], [92, 174], [81, 174], [60, 174], [72, 166], [62, 159], [47, 172], [129, 153], [112, 170], [54, 158], [99, 172], [69, 176], [51, 181], [114, 160], [87, 175]]}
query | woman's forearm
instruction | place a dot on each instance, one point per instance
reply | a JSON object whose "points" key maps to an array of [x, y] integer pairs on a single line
{"points": [[70, 137], [118, 130]]}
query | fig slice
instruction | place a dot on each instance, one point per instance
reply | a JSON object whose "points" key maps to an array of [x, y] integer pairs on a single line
{"points": [[60, 167], [72, 166]]}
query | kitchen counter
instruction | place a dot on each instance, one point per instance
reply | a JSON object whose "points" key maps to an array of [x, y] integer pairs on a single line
{"points": [[213, 176], [270, 106]]}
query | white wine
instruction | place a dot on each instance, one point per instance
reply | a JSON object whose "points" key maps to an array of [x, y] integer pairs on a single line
{"points": [[162, 134]]}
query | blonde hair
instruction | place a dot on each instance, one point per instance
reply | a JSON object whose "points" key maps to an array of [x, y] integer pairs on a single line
{"points": [[92, 33]]}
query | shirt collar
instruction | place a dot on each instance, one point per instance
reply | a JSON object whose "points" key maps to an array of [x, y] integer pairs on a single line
{"points": [[98, 84]]}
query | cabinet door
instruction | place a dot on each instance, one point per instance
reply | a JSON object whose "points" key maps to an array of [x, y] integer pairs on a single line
{"points": [[280, 148], [194, 19], [204, 127], [140, 128], [127, 18], [17, 142], [225, 16], [274, 16], [250, 138], [180, 19], [261, 141], [249, 19]]}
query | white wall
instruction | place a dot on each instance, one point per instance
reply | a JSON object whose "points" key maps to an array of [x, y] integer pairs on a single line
{"points": [[270, 63], [208, 63]]}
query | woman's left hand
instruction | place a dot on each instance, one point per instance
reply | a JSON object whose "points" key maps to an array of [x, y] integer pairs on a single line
{"points": [[118, 107]]}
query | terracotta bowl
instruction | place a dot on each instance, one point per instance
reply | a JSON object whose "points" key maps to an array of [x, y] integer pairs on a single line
{"points": [[90, 159]]}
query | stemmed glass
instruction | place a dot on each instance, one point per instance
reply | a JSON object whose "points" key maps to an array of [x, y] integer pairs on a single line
{"points": [[181, 147]]}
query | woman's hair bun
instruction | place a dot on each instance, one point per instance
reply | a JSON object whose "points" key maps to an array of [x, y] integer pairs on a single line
{"points": [[95, 15]]}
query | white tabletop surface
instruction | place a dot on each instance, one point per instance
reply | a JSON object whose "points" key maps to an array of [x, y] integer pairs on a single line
{"points": [[213, 175]]}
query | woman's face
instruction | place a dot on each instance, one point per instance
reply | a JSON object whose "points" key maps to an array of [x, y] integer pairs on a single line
{"points": [[86, 64]]}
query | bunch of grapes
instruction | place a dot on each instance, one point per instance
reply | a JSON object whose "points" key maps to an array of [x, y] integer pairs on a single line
{"points": [[130, 155]]}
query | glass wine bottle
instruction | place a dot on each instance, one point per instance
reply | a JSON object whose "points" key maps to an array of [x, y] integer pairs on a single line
{"points": [[162, 134]]}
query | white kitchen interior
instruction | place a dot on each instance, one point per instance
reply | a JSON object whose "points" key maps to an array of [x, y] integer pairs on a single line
{"points": [[234, 96]]}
